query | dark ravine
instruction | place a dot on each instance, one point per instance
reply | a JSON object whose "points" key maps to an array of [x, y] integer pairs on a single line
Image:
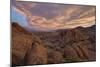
{"points": [[59, 46]]}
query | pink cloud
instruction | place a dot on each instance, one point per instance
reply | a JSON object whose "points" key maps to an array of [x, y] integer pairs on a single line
{"points": [[70, 17]]}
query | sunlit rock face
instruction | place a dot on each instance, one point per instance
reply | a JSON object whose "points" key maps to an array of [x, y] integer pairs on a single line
{"points": [[50, 16]]}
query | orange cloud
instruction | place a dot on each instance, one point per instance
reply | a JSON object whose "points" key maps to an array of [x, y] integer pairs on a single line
{"points": [[52, 24]]}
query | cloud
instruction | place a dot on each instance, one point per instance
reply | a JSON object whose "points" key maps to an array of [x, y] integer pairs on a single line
{"points": [[18, 10], [85, 22], [89, 12], [53, 24], [23, 7], [62, 16]]}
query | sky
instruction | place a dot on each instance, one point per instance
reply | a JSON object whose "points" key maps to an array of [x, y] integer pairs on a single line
{"points": [[51, 16], [19, 18]]}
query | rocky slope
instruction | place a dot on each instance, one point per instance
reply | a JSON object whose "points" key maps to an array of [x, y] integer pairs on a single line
{"points": [[26, 47], [75, 44], [59, 46]]}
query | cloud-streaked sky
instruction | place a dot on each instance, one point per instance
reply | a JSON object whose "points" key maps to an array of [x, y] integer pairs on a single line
{"points": [[52, 16]]}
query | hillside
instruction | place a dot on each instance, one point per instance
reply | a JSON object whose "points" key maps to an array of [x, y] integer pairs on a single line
{"points": [[59, 46]]}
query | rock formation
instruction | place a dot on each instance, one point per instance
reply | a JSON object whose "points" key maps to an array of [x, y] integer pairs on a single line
{"points": [[58, 46]]}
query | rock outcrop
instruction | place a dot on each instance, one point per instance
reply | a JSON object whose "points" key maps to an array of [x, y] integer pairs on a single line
{"points": [[36, 55], [55, 56], [27, 48], [21, 42], [75, 44], [59, 46]]}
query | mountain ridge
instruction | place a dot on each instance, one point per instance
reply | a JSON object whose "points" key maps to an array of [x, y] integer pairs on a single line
{"points": [[60, 46]]}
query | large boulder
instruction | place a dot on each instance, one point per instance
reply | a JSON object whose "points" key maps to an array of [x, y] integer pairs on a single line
{"points": [[78, 52], [55, 56], [36, 55], [70, 54]]}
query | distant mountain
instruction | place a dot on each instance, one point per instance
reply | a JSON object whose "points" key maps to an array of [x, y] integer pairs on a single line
{"points": [[76, 34]]}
